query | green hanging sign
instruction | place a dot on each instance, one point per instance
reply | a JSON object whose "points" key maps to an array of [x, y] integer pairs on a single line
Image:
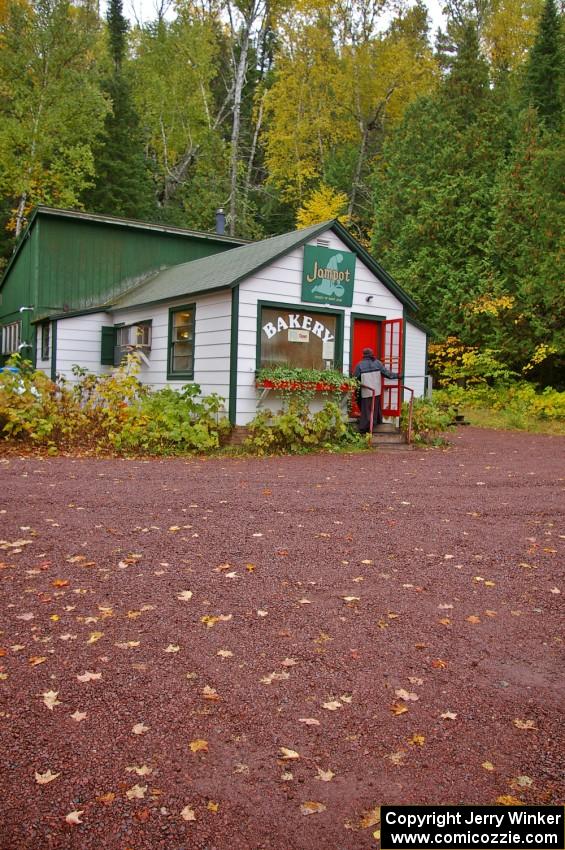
{"points": [[328, 276]]}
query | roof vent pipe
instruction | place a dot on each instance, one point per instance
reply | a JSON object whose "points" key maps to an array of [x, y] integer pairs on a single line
{"points": [[220, 222]]}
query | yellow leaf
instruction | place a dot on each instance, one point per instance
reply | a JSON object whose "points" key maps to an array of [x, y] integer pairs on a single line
{"points": [[508, 800], [210, 694], [288, 755], [473, 619], [199, 745], [370, 818], [95, 636], [50, 699], [37, 659], [417, 740], [398, 708], [212, 807], [525, 724], [311, 808], [488, 765]]}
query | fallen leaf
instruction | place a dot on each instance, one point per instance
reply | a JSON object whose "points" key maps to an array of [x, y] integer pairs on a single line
{"points": [[137, 792], [288, 755], [439, 664], [74, 817], [37, 659], [199, 745], [185, 595], [415, 680], [370, 818], [144, 770], [139, 729], [210, 693], [522, 782], [508, 800], [324, 775], [88, 677], [311, 808], [172, 648], [417, 740], [408, 696], [224, 653], [398, 708], [287, 776], [262, 613], [211, 620], [448, 715], [332, 706], [309, 721], [188, 814], [349, 599], [212, 806], [473, 619], [488, 765], [106, 799], [397, 758], [525, 724], [289, 662], [50, 699], [60, 582], [78, 716], [95, 636], [44, 778], [129, 644]]}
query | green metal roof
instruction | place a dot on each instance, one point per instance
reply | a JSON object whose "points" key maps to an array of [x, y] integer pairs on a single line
{"points": [[215, 272], [225, 270]]}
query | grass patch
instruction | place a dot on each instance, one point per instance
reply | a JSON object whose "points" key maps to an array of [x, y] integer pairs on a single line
{"points": [[511, 420]]}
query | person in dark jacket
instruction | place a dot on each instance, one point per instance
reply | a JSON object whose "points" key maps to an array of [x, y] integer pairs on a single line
{"points": [[369, 373]]}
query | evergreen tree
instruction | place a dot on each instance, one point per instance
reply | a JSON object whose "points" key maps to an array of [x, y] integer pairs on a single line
{"points": [[434, 192], [544, 75], [122, 182]]}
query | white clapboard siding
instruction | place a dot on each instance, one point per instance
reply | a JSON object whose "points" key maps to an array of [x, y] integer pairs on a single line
{"points": [[79, 341], [414, 360], [212, 342], [281, 282]]}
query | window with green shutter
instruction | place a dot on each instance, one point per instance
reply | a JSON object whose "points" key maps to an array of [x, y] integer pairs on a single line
{"points": [[107, 345]]}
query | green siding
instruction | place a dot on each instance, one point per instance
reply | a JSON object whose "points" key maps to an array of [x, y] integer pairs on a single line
{"points": [[21, 292], [72, 264], [84, 263]]}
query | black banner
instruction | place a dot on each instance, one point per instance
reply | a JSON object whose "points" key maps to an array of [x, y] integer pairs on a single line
{"points": [[472, 827]]}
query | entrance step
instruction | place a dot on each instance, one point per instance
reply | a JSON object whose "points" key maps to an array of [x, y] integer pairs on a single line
{"points": [[388, 437]]}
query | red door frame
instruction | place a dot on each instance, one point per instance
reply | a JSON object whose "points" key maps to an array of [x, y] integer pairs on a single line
{"points": [[391, 356]]}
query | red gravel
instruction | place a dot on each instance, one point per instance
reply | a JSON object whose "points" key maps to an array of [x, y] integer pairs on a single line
{"points": [[426, 540]]}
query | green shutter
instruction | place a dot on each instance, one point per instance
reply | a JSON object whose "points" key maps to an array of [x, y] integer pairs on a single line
{"points": [[107, 347]]}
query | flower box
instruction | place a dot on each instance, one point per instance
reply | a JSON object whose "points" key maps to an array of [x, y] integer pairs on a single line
{"points": [[317, 386]]}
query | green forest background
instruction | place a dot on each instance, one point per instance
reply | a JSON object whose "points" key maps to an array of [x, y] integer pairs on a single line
{"points": [[442, 152]]}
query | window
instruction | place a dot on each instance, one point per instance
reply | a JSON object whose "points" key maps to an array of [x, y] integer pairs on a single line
{"points": [[45, 334], [11, 336], [181, 342], [130, 338], [296, 337]]}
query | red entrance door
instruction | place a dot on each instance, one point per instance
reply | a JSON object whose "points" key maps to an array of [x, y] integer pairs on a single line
{"points": [[385, 338], [365, 333]]}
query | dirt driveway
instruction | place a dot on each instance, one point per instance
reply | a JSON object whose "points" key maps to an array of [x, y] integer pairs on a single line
{"points": [[230, 654]]}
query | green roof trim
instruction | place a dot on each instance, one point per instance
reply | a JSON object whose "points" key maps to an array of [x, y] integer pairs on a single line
{"points": [[228, 269]]}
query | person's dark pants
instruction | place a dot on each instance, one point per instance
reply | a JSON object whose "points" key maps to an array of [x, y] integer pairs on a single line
{"points": [[365, 418]]}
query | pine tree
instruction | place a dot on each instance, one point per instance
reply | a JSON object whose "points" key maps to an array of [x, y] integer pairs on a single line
{"points": [[122, 183], [544, 76]]}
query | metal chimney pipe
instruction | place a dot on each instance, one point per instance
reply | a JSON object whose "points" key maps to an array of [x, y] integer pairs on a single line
{"points": [[220, 222]]}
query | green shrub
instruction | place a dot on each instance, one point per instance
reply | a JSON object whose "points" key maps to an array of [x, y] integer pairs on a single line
{"points": [[430, 418], [519, 398], [296, 430], [111, 411], [33, 408]]}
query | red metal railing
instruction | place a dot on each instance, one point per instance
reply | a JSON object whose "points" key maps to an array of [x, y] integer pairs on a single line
{"points": [[410, 409]]}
